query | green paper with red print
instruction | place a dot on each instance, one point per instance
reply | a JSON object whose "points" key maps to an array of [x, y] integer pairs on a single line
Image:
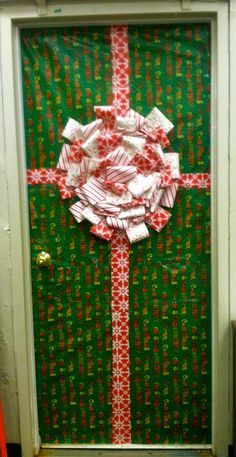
{"points": [[170, 292], [66, 71]]}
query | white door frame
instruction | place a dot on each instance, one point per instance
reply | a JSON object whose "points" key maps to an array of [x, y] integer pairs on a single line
{"points": [[11, 19]]}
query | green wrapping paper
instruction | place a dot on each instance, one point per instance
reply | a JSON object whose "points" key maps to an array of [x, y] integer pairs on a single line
{"points": [[170, 68], [170, 293], [170, 328], [66, 71], [72, 323], [72, 298]]}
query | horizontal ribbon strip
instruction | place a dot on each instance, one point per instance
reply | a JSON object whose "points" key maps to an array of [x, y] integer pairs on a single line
{"points": [[51, 176]]}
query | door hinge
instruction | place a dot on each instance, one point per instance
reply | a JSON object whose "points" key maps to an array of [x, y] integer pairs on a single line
{"points": [[42, 7]]}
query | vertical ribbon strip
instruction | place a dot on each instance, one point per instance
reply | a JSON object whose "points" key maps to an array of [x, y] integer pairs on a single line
{"points": [[121, 416], [120, 68]]}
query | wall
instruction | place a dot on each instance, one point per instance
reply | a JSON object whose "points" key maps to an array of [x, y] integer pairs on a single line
{"points": [[8, 384]]}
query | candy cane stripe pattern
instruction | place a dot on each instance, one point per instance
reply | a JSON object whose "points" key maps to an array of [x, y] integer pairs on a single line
{"points": [[64, 161], [168, 198]]}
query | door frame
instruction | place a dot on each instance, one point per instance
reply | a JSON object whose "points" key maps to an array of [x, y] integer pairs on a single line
{"points": [[12, 19]]}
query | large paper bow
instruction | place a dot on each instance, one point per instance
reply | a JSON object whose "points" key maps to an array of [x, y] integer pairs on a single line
{"points": [[117, 168]]}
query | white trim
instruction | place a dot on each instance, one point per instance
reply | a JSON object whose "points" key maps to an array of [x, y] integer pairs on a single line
{"points": [[220, 245], [106, 12], [232, 147], [20, 251], [213, 219], [128, 446], [103, 12]]}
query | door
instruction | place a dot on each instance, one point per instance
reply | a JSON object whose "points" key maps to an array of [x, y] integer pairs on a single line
{"points": [[164, 396]]}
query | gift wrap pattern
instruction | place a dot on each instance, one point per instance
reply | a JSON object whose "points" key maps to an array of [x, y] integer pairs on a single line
{"points": [[66, 72]]}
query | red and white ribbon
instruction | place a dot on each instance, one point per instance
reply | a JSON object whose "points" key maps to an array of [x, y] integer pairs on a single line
{"points": [[120, 68], [121, 414], [51, 175]]}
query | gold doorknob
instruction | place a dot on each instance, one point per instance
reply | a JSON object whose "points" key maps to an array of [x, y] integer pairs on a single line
{"points": [[43, 259]]}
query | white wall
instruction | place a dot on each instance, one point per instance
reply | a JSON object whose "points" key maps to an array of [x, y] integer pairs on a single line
{"points": [[8, 385]]}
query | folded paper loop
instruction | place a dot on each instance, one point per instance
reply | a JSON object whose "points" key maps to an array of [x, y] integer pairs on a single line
{"points": [[72, 130], [125, 124], [156, 119], [105, 208], [115, 187], [117, 223], [137, 232], [91, 128], [116, 166], [140, 184], [139, 119], [119, 156], [102, 231], [136, 211], [64, 159], [133, 144], [89, 214], [121, 174], [108, 142], [77, 210], [159, 219]]}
